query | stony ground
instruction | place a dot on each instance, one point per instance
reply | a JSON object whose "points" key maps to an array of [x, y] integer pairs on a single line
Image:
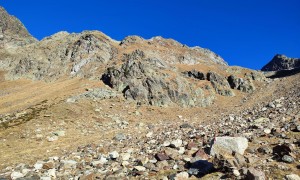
{"points": [[115, 139]]}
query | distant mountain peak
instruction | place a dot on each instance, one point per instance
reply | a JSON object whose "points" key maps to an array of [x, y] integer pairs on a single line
{"points": [[281, 62]]}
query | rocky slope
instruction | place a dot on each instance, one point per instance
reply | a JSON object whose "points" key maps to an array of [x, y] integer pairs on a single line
{"points": [[85, 106], [281, 62], [157, 71]]}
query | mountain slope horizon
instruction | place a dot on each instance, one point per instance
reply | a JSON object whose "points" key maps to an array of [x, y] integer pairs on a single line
{"points": [[85, 106]]}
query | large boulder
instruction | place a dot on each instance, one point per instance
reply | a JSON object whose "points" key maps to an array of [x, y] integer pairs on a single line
{"points": [[221, 145]]}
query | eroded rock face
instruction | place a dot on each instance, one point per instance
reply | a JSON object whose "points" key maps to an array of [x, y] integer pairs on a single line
{"points": [[140, 80], [241, 84], [220, 84], [281, 62]]}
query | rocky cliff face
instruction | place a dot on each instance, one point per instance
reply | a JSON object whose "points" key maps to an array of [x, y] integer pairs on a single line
{"points": [[156, 71], [12, 31], [281, 62]]}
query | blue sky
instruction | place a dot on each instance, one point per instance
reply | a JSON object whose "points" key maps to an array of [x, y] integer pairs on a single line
{"points": [[247, 33]]}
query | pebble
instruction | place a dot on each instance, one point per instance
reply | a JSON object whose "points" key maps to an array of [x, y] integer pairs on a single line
{"points": [[166, 143], [149, 134], [182, 176], [38, 166], [15, 175], [125, 156], [59, 133], [140, 168], [52, 138], [120, 137], [236, 173], [176, 143], [114, 155], [287, 159], [292, 177], [267, 131]]}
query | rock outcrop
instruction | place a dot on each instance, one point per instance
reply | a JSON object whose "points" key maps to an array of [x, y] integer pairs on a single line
{"points": [[12, 31], [281, 62], [156, 71], [140, 79]]}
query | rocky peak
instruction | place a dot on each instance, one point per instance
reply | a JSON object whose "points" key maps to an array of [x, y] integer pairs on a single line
{"points": [[12, 31], [281, 62]]}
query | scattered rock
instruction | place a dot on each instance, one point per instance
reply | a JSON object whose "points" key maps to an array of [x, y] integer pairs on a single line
{"points": [[288, 159], [292, 177], [176, 143], [182, 176], [16, 175], [254, 174]]}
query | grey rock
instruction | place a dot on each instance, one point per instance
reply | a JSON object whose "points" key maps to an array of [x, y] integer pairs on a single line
{"points": [[229, 144], [120, 137], [195, 74], [220, 84], [241, 84], [254, 174], [288, 159]]}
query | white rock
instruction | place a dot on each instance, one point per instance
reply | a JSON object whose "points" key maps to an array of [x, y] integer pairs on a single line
{"points": [[125, 163], [140, 168], [181, 150], [69, 164], [149, 134], [38, 166], [267, 131], [114, 155], [292, 177], [16, 175], [52, 138], [166, 143], [236, 173], [125, 156], [103, 160], [25, 171], [52, 173], [45, 178], [229, 144], [176, 143], [182, 176], [59, 133]]}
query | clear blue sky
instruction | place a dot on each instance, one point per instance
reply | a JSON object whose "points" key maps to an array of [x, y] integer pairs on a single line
{"points": [[244, 32]]}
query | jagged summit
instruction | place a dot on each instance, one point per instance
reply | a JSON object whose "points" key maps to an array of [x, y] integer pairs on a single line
{"points": [[281, 62], [12, 31]]}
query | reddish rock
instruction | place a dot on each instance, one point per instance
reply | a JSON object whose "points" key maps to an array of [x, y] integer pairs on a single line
{"points": [[191, 145], [48, 165], [201, 154], [162, 156]]}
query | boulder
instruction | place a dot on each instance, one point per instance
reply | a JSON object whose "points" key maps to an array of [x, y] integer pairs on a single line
{"points": [[228, 144]]}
